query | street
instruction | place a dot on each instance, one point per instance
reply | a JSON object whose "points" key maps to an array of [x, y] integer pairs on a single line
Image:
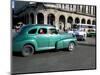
{"points": [[37, 26], [83, 57]]}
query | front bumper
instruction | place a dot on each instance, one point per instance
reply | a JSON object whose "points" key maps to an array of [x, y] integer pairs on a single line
{"points": [[79, 37], [91, 34]]}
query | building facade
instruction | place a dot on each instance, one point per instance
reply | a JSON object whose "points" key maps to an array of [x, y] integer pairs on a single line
{"points": [[60, 15]]}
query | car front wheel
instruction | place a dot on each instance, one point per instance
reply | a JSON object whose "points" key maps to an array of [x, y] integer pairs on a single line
{"points": [[27, 50], [71, 46]]}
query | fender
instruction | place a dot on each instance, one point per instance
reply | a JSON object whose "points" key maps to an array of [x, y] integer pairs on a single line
{"points": [[32, 42], [64, 43]]}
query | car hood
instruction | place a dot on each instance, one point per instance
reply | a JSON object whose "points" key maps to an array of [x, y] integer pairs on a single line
{"points": [[77, 32]]}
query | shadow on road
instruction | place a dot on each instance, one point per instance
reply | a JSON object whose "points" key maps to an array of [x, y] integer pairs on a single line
{"points": [[18, 54]]}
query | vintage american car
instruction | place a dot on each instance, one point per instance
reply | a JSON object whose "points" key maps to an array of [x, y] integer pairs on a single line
{"points": [[80, 35], [91, 33], [79, 31], [41, 37]]}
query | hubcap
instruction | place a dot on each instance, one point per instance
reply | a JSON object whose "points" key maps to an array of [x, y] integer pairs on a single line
{"points": [[27, 50]]}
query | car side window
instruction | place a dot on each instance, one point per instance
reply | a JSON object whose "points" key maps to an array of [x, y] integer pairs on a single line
{"points": [[33, 31], [53, 31], [42, 31]]}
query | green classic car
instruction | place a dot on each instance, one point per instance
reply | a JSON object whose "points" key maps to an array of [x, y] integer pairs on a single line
{"points": [[41, 37], [91, 33]]}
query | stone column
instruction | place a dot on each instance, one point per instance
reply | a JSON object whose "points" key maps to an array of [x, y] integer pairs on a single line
{"points": [[45, 18], [86, 9], [66, 27], [71, 9], [35, 18], [67, 7], [63, 6], [74, 8], [80, 8], [91, 10], [57, 21], [73, 20]]}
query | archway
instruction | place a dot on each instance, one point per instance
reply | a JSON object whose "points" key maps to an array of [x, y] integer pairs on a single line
{"points": [[83, 21], [70, 20], [89, 21], [51, 19], [62, 22], [77, 20], [93, 22], [32, 18], [40, 18]]}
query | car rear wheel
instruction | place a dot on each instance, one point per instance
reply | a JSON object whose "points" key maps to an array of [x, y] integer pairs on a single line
{"points": [[28, 50], [71, 46]]}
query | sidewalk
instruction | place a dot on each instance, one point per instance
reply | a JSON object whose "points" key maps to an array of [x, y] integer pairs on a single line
{"points": [[91, 41]]}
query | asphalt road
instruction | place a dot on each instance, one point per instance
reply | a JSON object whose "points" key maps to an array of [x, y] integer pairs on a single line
{"points": [[83, 57]]}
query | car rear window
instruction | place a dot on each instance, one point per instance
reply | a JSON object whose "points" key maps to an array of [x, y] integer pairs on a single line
{"points": [[32, 31], [53, 31]]}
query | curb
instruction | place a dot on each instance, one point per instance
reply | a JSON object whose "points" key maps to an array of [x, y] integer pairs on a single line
{"points": [[86, 44]]}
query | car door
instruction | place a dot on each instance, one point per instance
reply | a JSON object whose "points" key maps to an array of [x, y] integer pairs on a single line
{"points": [[42, 39], [54, 37]]}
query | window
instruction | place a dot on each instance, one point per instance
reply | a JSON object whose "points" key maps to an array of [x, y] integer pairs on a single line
{"points": [[84, 9], [89, 9], [64, 6], [33, 31], [61, 6], [77, 8], [70, 7], [53, 31], [42, 31], [94, 10]]}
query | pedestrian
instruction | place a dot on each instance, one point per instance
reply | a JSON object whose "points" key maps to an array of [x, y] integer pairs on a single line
{"points": [[18, 26]]}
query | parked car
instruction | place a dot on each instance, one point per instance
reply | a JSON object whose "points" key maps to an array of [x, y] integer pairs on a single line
{"points": [[41, 37], [80, 35], [79, 31], [91, 33]]}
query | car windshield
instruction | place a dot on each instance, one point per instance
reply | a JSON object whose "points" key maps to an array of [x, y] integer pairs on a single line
{"points": [[91, 30]]}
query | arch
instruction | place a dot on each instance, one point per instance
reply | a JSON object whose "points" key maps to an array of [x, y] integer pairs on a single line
{"points": [[51, 19], [62, 22], [83, 21], [93, 22], [88, 21], [77, 20], [70, 19], [32, 18], [40, 18]]}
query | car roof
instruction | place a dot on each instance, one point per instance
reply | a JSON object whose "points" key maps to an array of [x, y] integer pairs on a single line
{"points": [[38, 25], [31, 26]]}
